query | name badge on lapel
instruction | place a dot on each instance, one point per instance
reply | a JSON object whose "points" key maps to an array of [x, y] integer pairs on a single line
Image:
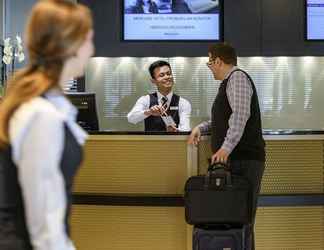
{"points": [[174, 107]]}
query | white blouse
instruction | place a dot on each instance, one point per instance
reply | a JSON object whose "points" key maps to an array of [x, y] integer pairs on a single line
{"points": [[36, 133]]}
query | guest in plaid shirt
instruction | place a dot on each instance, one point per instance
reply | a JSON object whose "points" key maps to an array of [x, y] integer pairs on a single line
{"points": [[235, 125]]}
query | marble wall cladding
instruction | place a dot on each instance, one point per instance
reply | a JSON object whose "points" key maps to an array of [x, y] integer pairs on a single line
{"points": [[290, 89]]}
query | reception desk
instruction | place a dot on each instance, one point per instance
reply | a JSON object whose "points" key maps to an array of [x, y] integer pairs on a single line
{"points": [[128, 194], [136, 163]]}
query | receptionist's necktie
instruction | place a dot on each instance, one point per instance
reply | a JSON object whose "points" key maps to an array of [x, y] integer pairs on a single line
{"points": [[164, 100]]}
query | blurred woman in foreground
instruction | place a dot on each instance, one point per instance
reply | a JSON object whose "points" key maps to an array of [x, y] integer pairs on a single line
{"points": [[40, 142]]}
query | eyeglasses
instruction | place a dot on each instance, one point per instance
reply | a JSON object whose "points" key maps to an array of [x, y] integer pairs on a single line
{"points": [[210, 62]]}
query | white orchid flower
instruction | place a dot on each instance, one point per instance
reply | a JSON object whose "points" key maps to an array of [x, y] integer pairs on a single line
{"points": [[8, 51], [21, 57], [20, 50], [20, 47], [19, 40], [7, 42], [9, 55], [20, 53], [7, 59]]}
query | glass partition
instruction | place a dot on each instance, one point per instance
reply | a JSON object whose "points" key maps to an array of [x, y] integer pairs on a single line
{"points": [[290, 89]]}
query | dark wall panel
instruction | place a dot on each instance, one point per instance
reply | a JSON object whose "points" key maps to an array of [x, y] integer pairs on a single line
{"points": [[283, 28], [242, 25], [254, 27], [106, 26]]}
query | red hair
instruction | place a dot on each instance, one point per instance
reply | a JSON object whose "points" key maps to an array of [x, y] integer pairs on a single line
{"points": [[55, 31]]}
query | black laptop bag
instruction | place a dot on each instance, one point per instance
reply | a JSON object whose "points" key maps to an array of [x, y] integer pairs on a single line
{"points": [[217, 198]]}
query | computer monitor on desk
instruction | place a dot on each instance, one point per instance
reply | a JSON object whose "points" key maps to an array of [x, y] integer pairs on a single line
{"points": [[86, 105]]}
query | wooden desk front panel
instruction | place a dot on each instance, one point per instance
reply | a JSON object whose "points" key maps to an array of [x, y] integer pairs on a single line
{"points": [[133, 166], [164, 228], [128, 228], [291, 166]]}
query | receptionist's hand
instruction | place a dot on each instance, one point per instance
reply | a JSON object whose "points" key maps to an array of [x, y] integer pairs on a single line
{"points": [[154, 110], [172, 129], [194, 137]]}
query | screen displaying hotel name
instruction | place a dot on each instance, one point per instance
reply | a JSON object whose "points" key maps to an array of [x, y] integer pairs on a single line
{"points": [[171, 20], [315, 19]]}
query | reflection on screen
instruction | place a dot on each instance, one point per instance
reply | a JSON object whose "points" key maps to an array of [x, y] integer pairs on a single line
{"points": [[171, 20], [315, 19], [87, 111]]}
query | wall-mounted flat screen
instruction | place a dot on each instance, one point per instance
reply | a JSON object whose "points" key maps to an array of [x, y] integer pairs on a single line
{"points": [[314, 19], [172, 20], [87, 111]]}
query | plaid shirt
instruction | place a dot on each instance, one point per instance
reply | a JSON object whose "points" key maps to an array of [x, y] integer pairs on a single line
{"points": [[239, 94]]}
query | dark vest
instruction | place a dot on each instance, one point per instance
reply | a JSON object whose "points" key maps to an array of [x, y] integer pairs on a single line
{"points": [[155, 123], [13, 229], [251, 145]]}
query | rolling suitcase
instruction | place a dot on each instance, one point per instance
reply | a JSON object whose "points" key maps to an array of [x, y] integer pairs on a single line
{"points": [[217, 198], [226, 238]]}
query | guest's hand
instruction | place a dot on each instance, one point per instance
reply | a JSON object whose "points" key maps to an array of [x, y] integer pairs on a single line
{"points": [[220, 156], [194, 137]]}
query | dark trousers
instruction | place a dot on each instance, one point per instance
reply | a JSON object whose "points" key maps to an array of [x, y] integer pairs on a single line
{"points": [[253, 171]]}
